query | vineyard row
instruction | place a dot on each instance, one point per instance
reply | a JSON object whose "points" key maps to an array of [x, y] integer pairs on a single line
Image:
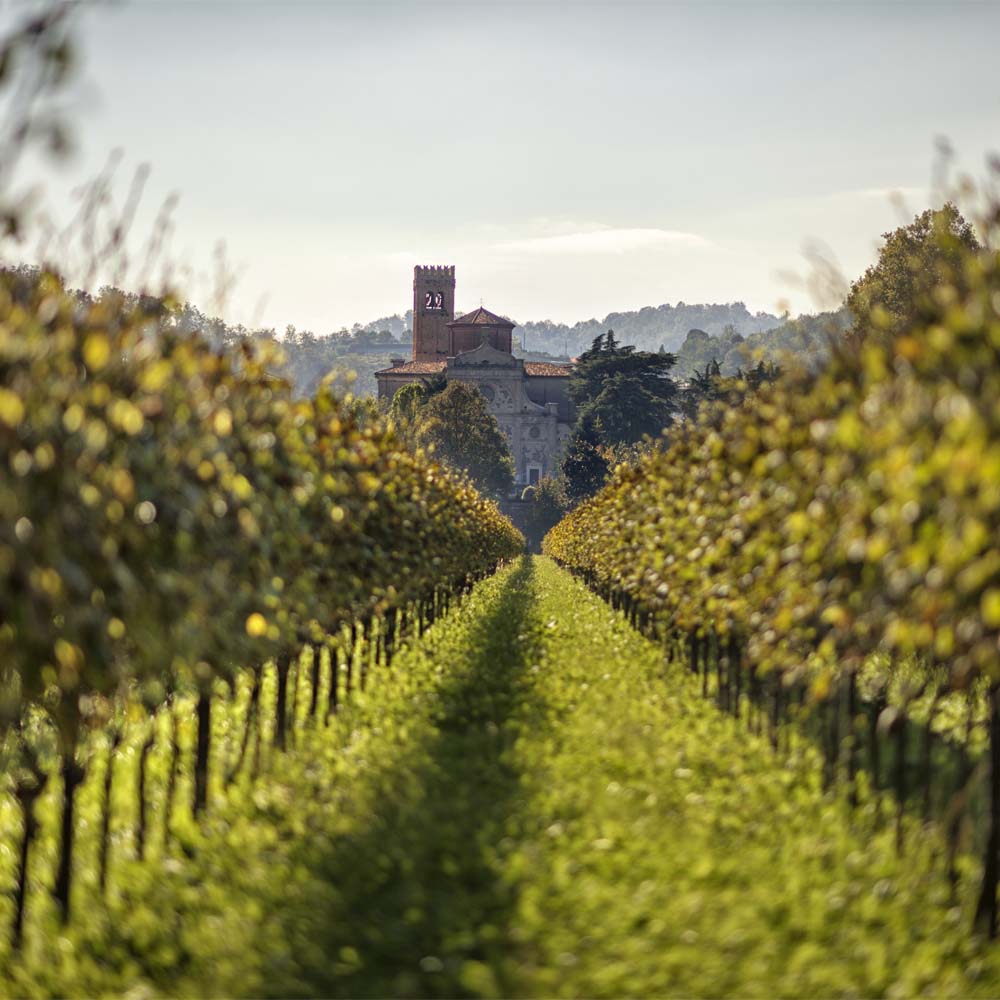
{"points": [[828, 548], [169, 516]]}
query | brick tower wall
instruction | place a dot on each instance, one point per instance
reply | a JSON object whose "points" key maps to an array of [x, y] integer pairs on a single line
{"points": [[430, 322]]}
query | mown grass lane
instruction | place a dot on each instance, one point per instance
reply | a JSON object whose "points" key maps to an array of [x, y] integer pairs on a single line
{"points": [[531, 803]]}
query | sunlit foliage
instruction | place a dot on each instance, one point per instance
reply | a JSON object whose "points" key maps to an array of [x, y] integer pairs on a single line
{"points": [[898, 290], [170, 515], [453, 420], [833, 517]]}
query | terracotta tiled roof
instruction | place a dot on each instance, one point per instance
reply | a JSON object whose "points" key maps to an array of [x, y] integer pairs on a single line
{"points": [[547, 368], [481, 317], [543, 368], [415, 368]]}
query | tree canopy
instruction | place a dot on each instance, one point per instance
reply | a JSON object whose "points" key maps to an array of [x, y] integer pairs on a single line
{"points": [[895, 292], [584, 466], [409, 400], [466, 436], [625, 393]]}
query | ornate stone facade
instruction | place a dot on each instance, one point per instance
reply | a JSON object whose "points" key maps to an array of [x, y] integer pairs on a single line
{"points": [[528, 398], [532, 429]]}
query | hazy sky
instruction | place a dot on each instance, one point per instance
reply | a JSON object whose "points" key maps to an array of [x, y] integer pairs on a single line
{"points": [[569, 158]]}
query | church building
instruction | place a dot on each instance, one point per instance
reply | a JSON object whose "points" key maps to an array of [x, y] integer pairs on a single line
{"points": [[528, 398]]}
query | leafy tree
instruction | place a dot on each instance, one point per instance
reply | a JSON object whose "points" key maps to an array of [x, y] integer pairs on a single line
{"points": [[584, 466], [700, 348], [466, 436], [433, 385], [703, 386], [406, 404], [549, 504], [626, 394], [763, 374], [711, 386], [363, 410], [625, 411], [895, 292]]}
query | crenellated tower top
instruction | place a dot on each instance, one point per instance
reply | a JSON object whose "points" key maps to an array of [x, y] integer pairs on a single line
{"points": [[431, 270]]}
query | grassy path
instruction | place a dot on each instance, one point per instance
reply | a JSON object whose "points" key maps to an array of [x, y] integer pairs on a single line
{"points": [[534, 805]]}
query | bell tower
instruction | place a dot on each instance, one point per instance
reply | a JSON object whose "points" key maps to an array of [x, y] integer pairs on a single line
{"points": [[433, 310]]}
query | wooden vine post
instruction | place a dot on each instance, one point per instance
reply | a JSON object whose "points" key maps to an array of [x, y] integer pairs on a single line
{"points": [[72, 776], [203, 747]]}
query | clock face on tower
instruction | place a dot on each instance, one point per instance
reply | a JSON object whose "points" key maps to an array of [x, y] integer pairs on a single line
{"points": [[434, 301]]}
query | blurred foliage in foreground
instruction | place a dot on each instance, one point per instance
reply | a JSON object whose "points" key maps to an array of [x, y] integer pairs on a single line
{"points": [[345, 359], [836, 516]]}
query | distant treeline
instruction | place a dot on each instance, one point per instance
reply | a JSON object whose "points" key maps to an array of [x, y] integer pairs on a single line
{"points": [[647, 329], [697, 333]]}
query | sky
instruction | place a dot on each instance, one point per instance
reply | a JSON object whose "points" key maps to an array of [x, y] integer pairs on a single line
{"points": [[570, 159]]}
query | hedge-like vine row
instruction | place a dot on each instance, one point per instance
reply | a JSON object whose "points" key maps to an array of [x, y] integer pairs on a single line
{"points": [[170, 515], [829, 531]]}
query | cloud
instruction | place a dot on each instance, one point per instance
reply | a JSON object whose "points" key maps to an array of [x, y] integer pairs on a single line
{"points": [[889, 193], [603, 241]]}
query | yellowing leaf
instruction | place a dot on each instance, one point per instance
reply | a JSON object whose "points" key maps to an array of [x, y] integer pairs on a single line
{"points": [[127, 416], [96, 351], [990, 608], [11, 408], [222, 423], [256, 625], [73, 418], [242, 488], [156, 376]]}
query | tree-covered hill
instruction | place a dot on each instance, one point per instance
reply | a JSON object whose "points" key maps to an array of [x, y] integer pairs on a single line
{"points": [[648, 328], [366, 347], [805, 339]]}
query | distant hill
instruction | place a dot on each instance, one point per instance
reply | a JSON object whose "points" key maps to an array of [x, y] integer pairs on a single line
{"points": [[804, 340], [649, 328], [728, 331]]}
